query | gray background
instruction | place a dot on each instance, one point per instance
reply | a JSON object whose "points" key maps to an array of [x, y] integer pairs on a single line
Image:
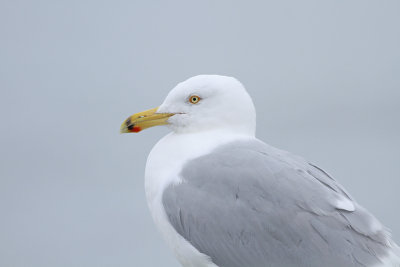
{"points": [[324, 76]]}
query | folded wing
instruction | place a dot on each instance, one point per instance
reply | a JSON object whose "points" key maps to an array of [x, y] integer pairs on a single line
{"points": [[249, 204]]}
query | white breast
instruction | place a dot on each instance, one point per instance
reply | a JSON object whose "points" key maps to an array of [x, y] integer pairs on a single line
{"points": [[163, 166]]}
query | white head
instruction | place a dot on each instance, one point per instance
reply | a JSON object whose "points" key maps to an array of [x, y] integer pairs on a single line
{"points": [[210, 102], [203, 103]]}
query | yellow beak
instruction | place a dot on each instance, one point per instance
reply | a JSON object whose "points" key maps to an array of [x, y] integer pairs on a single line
{"points": [[144, 120]]}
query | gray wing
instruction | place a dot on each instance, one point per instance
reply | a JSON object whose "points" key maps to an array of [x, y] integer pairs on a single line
{"points": [[249, 204]]}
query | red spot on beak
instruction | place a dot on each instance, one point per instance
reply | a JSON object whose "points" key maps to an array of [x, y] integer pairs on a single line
{"points": [[136, 129]]}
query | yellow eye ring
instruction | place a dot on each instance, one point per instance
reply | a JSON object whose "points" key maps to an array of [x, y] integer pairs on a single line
{"points": [[194, 99]]}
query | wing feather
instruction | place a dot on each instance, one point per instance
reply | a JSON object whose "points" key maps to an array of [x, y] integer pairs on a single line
{"points": [[249, 204]]}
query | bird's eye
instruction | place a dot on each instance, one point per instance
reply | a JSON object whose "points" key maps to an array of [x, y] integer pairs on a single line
{"points": [[194, 99]]}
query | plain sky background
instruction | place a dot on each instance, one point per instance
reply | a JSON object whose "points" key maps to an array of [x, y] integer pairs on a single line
{"points": [[324, 76]]}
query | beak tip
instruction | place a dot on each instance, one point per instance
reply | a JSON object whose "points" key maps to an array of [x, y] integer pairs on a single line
{"points": [[129, 129], [123, 129]]}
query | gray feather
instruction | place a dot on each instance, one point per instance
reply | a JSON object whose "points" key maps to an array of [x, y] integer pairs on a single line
{"points": [[249, 204]]}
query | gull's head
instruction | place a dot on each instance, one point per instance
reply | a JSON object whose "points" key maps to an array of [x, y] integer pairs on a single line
{"points": [[201, 103]]}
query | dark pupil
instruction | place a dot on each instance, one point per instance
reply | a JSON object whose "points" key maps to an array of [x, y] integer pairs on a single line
{"points": [[194, 99]]}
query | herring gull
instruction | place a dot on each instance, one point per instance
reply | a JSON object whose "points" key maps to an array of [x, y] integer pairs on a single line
{"points": [[221, 197]]}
